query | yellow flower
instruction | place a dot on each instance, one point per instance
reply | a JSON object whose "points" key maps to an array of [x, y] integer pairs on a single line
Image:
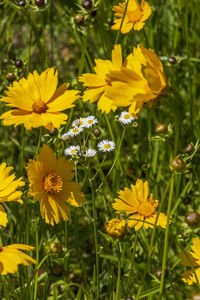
{"points": [[135, 15], [51, 182], [38, 102], [192, 259], [142, 210], [11, 257], [8, 190], [97, 83], [140, 80], [116, 228]]}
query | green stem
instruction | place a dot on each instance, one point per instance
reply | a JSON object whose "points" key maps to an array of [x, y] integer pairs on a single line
{"points": [[95, 237], [133, 259], [166, 237], [39, 142], [118, 33], [118, 276], [37, 258]]}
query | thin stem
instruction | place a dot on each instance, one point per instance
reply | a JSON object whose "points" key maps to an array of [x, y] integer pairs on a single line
{"points": [[95, 237], [39, 142], [133, 259], [118, 276], [37, 258], [118, 33], [166, 237]]}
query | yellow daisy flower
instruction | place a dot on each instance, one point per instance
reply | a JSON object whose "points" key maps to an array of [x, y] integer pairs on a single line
{"points": [[51, 183], [38, 102], [116, 228], [8, 190], [135, 15], [142, 210], [140, 80], [11, 257], [192, 259], [97, 83]]}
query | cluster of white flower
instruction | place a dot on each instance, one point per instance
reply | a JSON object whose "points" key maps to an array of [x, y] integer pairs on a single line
{"points": [[77, 127]]}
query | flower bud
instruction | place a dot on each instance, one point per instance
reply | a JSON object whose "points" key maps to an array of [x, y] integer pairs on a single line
{"points": [[116, 228], [57, 270], [22, 3], [79, 19], [87, 4], [93, 13], [192, 218], [189, 148], [18, 63], [178, 164], [10, 76], [55, 247], [160, 128], [39, 2], [159, 273], [172, 60]]}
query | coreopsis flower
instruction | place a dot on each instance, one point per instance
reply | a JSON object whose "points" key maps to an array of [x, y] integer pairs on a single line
{"points": [[11, 257], [140, 207], [125, 118], [116, 228], [140, 80], [97, 83], [192, 258], [72, 150], [8, 190], [38, 102], [51, 184], [135, 15], [106, 146]]}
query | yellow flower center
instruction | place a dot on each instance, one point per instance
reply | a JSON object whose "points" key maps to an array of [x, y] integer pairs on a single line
{"points": [[53, 183], [39, 107], [134, 15], [73, 151], [146, 209], [75, 130], [81, 122], [106, 146], [127, 116], [90, 121]]}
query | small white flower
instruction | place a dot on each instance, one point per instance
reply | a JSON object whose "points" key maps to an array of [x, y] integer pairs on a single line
{"points": [[78, 122], [65, 136], [125, 118], [106, 145], [72, 150], [89, 121], [89, 152], [74, 131]]}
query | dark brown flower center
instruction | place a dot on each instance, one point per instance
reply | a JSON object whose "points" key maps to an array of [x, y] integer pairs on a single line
{"points": [[39, 107], [53, 183]]}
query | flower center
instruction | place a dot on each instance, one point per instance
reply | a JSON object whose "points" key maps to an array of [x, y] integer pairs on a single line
{"points": [[106, 146], [39, 107], [146, 209], [134, 15], [127, 116], [53, 183], [75, 130], [73, 151], [90, 121]]}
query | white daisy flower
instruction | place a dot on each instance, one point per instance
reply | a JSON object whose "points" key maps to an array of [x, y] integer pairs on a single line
{"points": [[89, 121], [125, 118], [78, 122], [89, 152], [65, 136], [74, 131], [72, 150], [106, 145]]}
